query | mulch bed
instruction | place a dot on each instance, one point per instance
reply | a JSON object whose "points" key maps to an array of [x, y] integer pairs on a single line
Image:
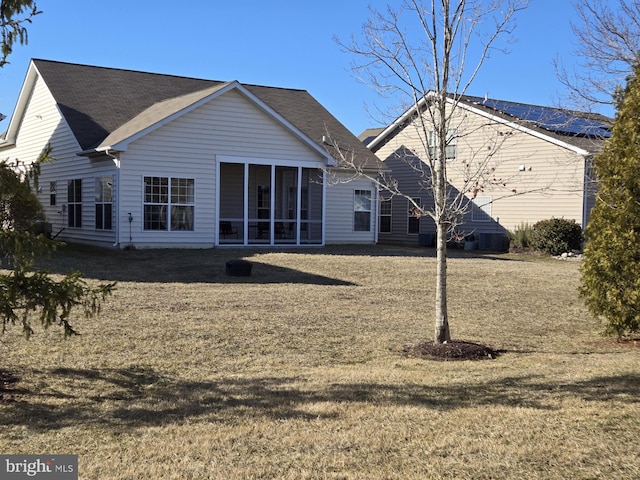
{"points": [[7, 386], [453, 350]]}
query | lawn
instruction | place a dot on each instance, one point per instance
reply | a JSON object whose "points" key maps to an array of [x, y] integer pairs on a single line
{"points": [[297, 372]]}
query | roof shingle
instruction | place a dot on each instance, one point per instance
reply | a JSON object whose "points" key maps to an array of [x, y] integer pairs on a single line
{"points": [[97, 101]]}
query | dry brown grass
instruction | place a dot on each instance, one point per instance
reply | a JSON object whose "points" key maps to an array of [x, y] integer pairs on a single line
{"points": [[296, 372]]}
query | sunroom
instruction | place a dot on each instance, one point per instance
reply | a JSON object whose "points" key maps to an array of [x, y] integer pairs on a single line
{"points": [[261, 202]]}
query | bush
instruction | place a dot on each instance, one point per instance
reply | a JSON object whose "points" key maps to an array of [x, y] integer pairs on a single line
{"points": [[556, 236], [520, 237]]}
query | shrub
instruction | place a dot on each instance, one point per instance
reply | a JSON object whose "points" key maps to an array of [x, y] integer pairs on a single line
{"points": [[556, 236], [520, 237]]}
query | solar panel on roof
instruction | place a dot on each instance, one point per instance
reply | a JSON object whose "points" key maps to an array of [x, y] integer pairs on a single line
{"points": [[551, 119]]}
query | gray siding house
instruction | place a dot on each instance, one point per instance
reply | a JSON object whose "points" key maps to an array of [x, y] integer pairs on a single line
{"points": [[541, 156], [152, 160]]}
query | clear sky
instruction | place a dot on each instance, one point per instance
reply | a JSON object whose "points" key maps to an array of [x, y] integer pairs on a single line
{"points": [[283, 43]]}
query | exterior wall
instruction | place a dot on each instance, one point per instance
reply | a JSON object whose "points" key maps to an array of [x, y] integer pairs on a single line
{"points": [[42, 124], [229, 126], [400, 206], [340, 198], [541, 179]]}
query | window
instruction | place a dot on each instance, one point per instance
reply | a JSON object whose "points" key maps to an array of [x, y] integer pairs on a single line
{"points": [[104, 199], [385, 216], [450, 147], [481, 209], [168, 203], [182, 203], [53, 187], [413, 220], [74, 203], [362, 211]]}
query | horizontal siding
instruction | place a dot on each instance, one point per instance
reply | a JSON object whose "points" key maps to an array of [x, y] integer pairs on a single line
{"points": [[410, 186], [188, 147], [229, 125], [43, 124], [340, 211], [551, 184]]}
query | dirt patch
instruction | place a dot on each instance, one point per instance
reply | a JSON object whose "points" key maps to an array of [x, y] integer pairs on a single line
{"points": [[453, 350], [7, 386]]}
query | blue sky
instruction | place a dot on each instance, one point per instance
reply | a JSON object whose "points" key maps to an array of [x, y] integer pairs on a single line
{"points": [[283, 43]]}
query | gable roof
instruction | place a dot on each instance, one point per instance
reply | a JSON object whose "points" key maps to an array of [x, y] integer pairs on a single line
{"points": [[370, 134], [157, 113], [582, 132], [104, 106]]}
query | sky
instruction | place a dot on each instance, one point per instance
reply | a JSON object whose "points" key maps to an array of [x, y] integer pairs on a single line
{"points": [[281, 43]]}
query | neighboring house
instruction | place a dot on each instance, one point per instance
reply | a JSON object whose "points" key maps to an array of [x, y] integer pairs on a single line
{"points": [[150, 160], [538, 166]]}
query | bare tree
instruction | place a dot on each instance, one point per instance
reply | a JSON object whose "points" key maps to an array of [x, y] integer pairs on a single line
{"points": [[608, 43], [426, 54]]}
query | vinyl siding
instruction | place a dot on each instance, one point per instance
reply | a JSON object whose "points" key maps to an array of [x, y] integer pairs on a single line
{"points": [[551, 184], [188, 147], [43, 124], [340, 211], [410, 187]]}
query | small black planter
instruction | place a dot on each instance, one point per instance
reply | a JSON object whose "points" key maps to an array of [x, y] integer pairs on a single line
{"points": [[239, 268]]}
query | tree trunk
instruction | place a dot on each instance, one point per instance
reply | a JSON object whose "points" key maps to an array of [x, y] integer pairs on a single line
{"points": [[442, 333]]}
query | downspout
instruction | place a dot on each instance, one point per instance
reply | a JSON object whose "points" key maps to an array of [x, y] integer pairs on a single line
{"points": [[376, 217], [116, 159], [587, 189]]}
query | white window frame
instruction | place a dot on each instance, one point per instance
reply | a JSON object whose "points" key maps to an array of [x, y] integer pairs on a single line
{"points": [[411, 217], [384, 205], [481, 208], [104, 202], [450, 147], [74, 203], [361, 207], [53, 193], [176, 204]]}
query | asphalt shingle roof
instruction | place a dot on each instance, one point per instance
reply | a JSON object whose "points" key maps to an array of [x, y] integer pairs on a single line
{"points": [[97, 101]]}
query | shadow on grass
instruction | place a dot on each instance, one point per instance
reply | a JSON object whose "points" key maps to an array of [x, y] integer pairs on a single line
{"points": [[209, 265], [122, 399], [173, 266]]}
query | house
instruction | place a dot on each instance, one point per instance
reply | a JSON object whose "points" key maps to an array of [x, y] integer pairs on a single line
{"points": [[536, 161], [151, 160]]}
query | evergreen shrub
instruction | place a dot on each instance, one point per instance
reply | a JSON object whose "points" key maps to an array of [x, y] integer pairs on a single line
{"points": [[556, 236]]}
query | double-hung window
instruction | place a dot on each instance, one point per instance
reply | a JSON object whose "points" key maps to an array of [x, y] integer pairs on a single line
{"points": [[362, 211], [385, 216], [104, 199], [182, 203], [414, 214], [481, 209], [74, 203], [450, 144], [53, 187], [168, 203]]}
